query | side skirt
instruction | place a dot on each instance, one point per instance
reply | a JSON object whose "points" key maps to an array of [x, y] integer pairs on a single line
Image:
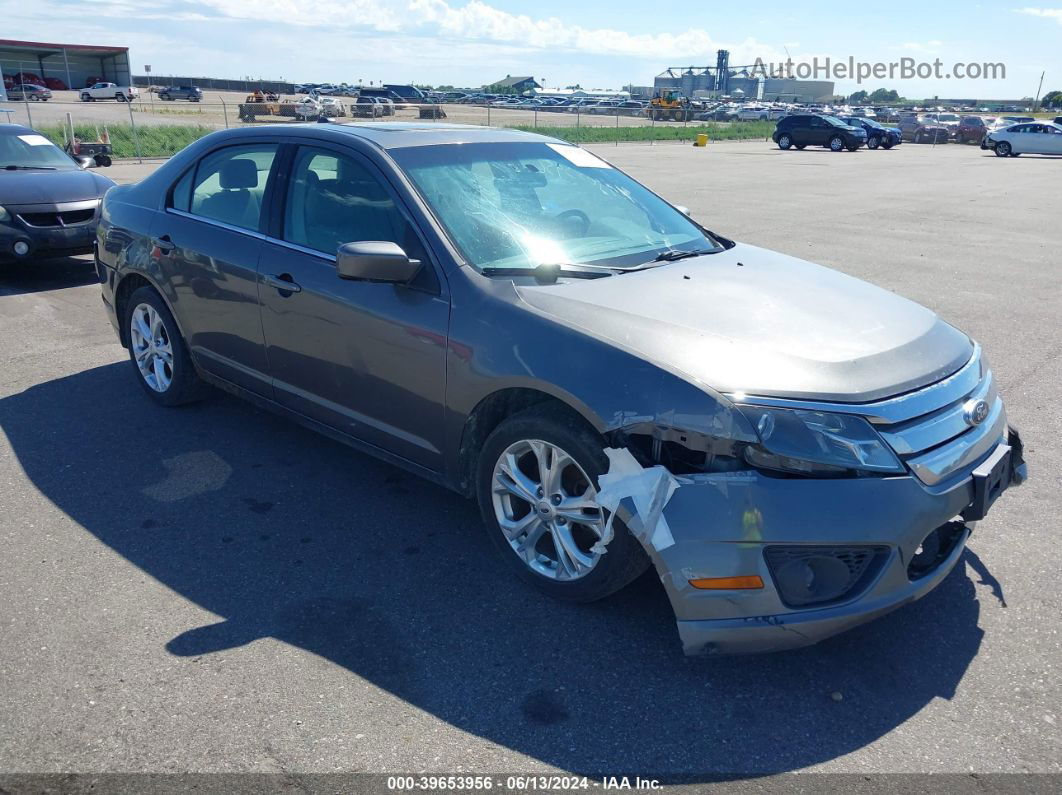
{"points": [[326, 430]]}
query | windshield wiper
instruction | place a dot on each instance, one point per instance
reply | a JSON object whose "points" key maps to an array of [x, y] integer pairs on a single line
{"points": [[673, 254], [29, 168], [548, 274]]}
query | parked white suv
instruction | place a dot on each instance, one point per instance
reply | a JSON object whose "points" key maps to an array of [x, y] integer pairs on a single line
{"points": [[109, 91]]}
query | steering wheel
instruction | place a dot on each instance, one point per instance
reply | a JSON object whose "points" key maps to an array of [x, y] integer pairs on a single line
{"points": [[575, 220]]}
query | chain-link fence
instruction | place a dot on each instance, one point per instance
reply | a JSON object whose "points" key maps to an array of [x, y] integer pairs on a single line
{"points": [[153, 127]]}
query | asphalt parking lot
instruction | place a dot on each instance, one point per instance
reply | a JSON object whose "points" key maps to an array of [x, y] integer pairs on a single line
{"points": [[216, 589]]}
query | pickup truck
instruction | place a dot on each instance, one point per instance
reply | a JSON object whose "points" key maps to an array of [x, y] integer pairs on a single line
{"points": [[171, 93], [109, 91]]}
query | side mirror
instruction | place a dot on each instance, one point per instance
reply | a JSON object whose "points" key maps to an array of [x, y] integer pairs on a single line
{"points": [[375, 261], [682, 209], [86, 161]]}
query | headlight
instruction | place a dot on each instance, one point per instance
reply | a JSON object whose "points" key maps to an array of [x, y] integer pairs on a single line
{"points": [[815, 442], [4, 215]]}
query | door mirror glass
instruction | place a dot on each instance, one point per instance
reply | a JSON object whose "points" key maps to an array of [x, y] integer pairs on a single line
{"points": [[375, 261], [682, 209]]}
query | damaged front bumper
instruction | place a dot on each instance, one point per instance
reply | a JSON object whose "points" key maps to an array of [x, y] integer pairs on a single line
{"points": [[898, 538]]}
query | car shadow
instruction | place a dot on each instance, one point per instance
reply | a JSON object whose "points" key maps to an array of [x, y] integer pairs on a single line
{"points": [[41, 275], [288, 535]]}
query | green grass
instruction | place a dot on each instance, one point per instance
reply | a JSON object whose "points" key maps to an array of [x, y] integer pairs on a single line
{"points": [[735, 131], [163, 140], [156, 140]]}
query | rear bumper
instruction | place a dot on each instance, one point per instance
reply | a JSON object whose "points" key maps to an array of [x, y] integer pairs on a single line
{"points": [[725, 524]]}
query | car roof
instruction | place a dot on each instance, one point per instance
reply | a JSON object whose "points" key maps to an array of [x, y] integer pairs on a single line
{"points": [[399, 135], [15, 129]]}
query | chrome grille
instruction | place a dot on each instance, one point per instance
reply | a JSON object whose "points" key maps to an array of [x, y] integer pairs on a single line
{"points": [[938, 441]]}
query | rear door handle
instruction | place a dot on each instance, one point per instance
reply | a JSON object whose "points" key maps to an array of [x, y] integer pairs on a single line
{"points": [[163, 243], [282, 282]]}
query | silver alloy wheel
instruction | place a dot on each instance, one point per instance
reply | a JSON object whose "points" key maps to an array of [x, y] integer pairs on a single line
{"points": [[836, 144], [547, 508], [151, 347], [785, 142]]}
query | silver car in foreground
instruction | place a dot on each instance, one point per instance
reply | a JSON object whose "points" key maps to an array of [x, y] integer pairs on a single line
{"points": [[794, 451]]}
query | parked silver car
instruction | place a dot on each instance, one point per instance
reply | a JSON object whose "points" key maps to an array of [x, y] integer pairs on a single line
{"points": [[795, 451]]}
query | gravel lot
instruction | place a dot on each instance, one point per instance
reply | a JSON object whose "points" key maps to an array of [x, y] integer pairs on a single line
{"points": [[215, 589]]}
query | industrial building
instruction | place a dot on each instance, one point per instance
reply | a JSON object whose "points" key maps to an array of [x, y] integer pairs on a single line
{"points": [[723, 80], [515, 84], [61, 66]]}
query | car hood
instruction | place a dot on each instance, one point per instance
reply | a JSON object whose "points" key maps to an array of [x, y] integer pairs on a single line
{"points": [[755, 321], [46, 187]]}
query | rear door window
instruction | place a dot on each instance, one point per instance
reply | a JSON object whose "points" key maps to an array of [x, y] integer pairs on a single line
{"points": [[229, 185]]}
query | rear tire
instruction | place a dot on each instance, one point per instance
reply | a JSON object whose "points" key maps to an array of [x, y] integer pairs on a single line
{"points": [[1004, 149], [784, 142], [157, 351], [836, 143], [86, 98], [873, 142], [559, 430]]}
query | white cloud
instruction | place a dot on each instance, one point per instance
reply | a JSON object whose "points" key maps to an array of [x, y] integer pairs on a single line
{"points": [[1046, 13], [479, 21]]}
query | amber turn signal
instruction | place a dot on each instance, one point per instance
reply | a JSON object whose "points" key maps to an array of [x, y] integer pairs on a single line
{"points": [[728, 583]]}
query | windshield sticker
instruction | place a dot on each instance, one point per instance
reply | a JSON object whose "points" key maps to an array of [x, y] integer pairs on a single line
{"points": [[35, 140], [578, 157]]}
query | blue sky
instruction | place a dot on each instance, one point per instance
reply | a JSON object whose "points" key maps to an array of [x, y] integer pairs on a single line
{"points": [[595, 44]]}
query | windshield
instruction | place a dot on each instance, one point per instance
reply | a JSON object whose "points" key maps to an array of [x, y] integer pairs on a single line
{"points": [[27, 149], [522, 205]]}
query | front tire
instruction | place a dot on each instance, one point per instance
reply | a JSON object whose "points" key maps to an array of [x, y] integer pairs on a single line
{"points": [[157, 351], [784, 142], [836, 143], [873, 142], [120, 97], [1004, 149], [537, 486], [86, 98]]}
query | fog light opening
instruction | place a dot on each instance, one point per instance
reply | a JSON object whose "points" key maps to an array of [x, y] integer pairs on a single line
{"points": [[21, 248], [820, 575], [814, 579], [934, 549]]}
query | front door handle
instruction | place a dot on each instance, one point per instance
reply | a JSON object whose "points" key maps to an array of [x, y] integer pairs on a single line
{"points": [[282, 282]]}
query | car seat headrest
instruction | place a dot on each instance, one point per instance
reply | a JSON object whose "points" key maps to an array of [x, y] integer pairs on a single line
{"points": [[239, 174]]}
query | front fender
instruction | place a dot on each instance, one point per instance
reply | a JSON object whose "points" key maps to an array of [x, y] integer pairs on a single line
{"points": [[498, 342]]}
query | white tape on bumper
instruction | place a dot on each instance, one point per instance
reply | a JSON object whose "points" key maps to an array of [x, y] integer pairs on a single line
{"points": [[649, 488]]}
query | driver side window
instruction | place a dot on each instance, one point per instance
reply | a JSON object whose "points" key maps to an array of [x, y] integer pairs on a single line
{"points": [[333, 199]]}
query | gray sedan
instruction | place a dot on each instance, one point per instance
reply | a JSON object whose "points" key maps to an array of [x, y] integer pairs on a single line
{"points": [[794, 451]]}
